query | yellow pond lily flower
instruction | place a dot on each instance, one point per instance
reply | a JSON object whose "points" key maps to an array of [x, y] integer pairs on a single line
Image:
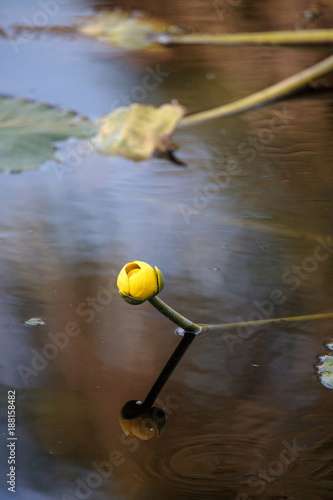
{"points": [[148, 424], [138, 281]]}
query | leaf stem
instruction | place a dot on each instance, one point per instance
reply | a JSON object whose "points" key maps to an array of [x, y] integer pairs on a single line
{"points": [[262, 97], [225, 326], [323, 36]]}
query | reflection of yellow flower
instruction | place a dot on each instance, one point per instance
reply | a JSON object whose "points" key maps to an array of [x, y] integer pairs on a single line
{"points": [[139, 280], [144, 426]]}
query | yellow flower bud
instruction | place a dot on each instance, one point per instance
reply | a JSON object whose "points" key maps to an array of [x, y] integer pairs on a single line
{"points": [[138, 281], [149, 423]]}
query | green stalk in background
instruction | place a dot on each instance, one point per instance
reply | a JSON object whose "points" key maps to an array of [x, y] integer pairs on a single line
{"points": [[321, 36], [263, 97], [291, 319]]}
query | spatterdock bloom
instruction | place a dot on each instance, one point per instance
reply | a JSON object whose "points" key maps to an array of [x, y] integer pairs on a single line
{"points": [[138, 281], [145, 425]]}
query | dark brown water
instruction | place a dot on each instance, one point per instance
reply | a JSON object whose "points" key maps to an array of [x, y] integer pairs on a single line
{"points": [[244, 232]]}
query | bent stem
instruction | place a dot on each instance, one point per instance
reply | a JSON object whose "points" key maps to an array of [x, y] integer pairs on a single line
{"points": [[292, 319], [270, 37], [263, 97], [174, 316]]}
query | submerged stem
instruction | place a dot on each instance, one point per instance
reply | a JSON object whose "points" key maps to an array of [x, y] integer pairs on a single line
{"points": [[225, 326], [262, 97]]}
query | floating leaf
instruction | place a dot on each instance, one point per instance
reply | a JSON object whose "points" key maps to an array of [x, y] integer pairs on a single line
{"points": [[121, 29], [138, 131], [28, 129], [326, 371], [138, 31], [34, 322]]}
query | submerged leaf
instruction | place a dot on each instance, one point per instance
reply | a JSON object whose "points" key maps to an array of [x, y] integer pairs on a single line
{"points": [[138, 131], [122, 29], [28, 129]]}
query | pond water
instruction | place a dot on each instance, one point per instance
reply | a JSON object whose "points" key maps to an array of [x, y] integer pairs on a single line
{"points": [[243, 232]]}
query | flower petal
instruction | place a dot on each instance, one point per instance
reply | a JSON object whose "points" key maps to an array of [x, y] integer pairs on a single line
{"points": [[132, 267], [143, 285], [122, 281]]}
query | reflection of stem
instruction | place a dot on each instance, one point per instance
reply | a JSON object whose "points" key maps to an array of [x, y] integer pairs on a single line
{"points": [[168, 369], [270, 37], [259, 322], [263, 97], [177, 318]]}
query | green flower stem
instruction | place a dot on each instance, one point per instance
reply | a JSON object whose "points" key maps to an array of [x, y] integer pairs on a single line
{"points": [[292, 319], [174, 316], [263, 97], [324, 36], [168, 369]]}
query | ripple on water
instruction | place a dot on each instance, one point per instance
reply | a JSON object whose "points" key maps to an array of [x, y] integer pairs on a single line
{"points": [[211, 462]]}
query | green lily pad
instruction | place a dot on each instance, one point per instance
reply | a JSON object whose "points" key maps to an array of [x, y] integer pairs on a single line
{"points": [[28, 130], [326, 371], [138, 131]]}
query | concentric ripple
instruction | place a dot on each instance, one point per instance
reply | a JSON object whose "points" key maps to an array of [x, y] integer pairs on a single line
{"points": [[212, 463]]}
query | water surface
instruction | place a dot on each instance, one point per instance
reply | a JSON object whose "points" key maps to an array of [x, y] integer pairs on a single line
{"points": [[242, 232]]}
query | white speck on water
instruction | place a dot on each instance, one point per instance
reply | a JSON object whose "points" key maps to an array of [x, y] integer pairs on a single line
{"points": [[34, 322]]}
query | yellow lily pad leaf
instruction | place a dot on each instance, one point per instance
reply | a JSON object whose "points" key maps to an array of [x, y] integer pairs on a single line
{"points": [[138, 131], [121, 29]]}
